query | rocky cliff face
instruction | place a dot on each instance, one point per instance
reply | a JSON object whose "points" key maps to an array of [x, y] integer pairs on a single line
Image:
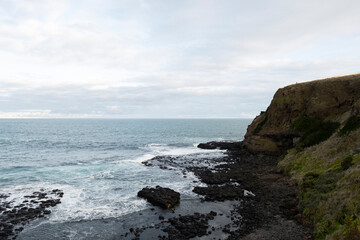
{"points": [[332, 100]]}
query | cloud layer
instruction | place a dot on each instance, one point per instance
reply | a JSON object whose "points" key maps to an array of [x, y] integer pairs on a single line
{"points": [[159, 59]]}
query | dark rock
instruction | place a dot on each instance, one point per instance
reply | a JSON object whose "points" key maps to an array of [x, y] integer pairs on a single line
{"points": [[189, 226], [163, 197], [4, 196], [271, 204], [220, 193], [47, 212], [209, 177], [13, 216], [221, 145]]}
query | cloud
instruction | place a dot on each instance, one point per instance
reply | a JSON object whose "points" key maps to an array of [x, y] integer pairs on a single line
{"points": [[167, 58], [41, 113]]}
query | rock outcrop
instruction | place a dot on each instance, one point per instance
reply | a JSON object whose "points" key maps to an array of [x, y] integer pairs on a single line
{"points": [[220, 145], [327, 100], [14, 216], [163, 197]]}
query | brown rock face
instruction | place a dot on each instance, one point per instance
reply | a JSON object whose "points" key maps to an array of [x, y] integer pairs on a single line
{"points": [[332, 99]]}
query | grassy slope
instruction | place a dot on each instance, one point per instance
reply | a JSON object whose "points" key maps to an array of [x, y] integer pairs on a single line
{"points": [[329, 178]]}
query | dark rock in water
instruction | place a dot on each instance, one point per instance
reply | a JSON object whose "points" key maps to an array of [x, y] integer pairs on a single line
{"points": [[220, 193], [12, 216], [189, 226], [265, 209], [159, 196], [3, 196], [209, 177], [221, 145]]}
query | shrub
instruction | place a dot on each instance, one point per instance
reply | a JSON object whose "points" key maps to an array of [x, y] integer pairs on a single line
{"points": [[309, 180], [352, 227], [313, 130], [316, 189], [327, 182], [260, 125], [324, 228], [351, 124], [346, 162]]}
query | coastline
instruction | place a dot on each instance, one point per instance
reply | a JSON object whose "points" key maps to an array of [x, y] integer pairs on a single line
{"points": [[264, 200], [263, 206]]}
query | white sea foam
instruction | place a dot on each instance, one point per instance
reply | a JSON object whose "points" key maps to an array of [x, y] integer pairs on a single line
{"points": [[165, 149], [157, 149], [104, 194], [140, 159], [103, 175], [97, 164], [248, 193]]}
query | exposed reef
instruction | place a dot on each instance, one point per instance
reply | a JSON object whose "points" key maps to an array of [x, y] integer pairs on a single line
{"points": [[15, 215], [264, 200]]}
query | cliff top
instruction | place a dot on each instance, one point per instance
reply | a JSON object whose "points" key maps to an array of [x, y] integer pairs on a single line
{"points": [[350, 77], [333, 99]]}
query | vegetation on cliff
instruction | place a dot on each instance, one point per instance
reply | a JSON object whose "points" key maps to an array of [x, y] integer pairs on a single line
{"points": [[313, 130], [328, 175], [315, 126]]}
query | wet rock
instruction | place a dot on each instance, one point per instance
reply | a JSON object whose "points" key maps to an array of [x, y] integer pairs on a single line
{"points": [[208, 177], [267, 195], [220, 193], [163, 197], [12, 217], [183, 162], [4, 196], [189, 226], [221, 145]]}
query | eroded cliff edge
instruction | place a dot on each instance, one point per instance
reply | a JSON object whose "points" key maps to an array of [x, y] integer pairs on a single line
{"points": [[315, 129], [327, 100]]}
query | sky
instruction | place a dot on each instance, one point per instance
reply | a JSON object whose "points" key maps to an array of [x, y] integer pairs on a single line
{"points": [[167, 58]]}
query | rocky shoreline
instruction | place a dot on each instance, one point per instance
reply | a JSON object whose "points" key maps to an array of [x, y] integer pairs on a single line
{"points": [[243, 196], [14, 216], [269, 211], [265, 199]]}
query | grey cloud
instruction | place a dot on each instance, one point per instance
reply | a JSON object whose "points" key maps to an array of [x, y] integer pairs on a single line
{"points": [[135, 58]]}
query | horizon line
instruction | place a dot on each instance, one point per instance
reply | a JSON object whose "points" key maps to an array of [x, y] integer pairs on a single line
{"points": [[117, 118]]}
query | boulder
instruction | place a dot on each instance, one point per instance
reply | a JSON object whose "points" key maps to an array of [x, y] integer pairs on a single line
{"points": [[163, 197]]}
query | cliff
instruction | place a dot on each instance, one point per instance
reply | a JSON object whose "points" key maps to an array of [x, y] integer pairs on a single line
{"points": [[327, 100], [315, 128]]}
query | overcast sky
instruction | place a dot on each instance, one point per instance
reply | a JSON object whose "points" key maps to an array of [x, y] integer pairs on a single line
{"points": [[167, 58]]}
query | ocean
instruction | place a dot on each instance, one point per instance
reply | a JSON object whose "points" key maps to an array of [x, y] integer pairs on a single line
{"points": [[97, 163]]}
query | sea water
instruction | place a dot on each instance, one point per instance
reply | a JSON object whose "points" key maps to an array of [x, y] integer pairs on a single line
{"points": [[97, 162]]}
